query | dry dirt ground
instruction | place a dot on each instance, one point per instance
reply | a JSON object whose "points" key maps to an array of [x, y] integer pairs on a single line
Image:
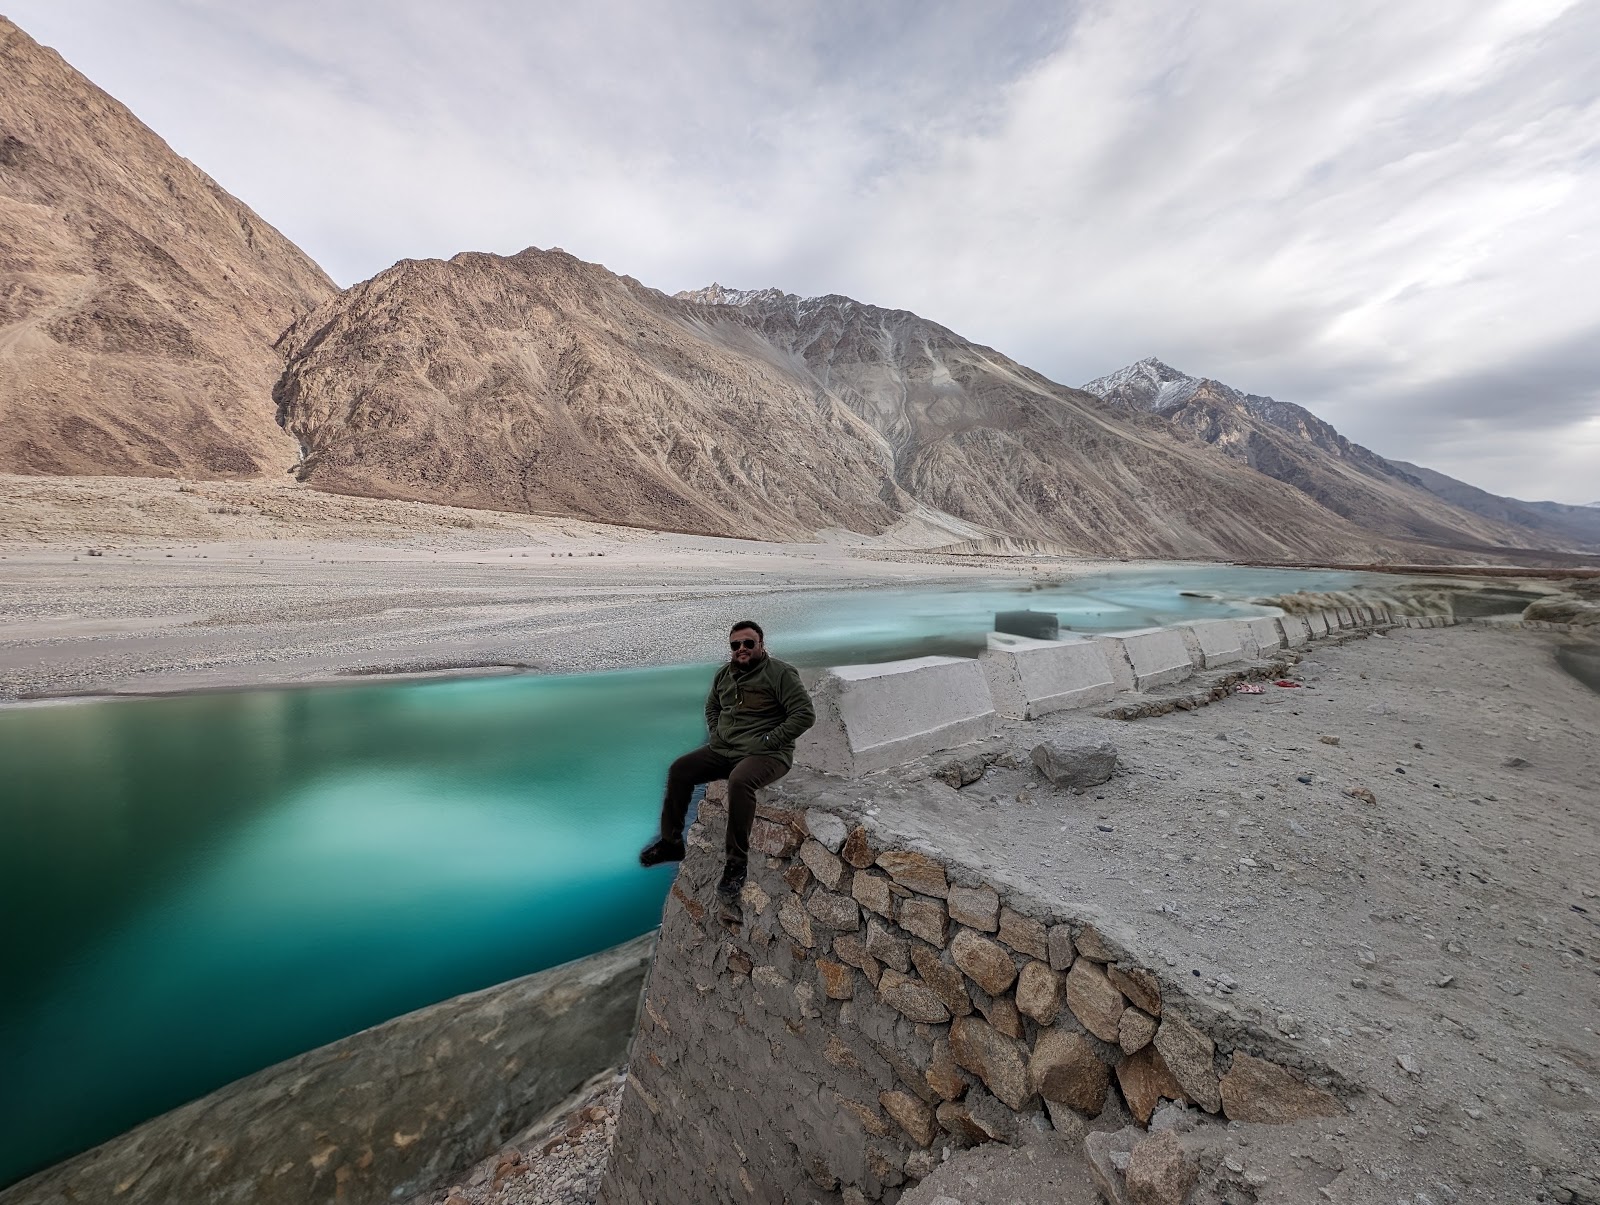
{"points": [[215, 584], [1439, 947]]}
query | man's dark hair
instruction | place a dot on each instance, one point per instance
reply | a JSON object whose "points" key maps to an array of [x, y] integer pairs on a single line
{"points": [[748, 623]]}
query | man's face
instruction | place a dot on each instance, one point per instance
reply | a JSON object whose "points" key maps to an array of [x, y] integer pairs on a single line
{"points": [[745, 646]]}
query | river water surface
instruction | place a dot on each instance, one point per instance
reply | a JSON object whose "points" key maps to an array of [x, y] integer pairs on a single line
{"points": [[197, 887]]}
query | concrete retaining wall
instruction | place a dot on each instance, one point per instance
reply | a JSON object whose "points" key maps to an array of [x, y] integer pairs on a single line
{"points": [[1158, 656], [382, 1115], [1262, 635], [1296, 630], [870, 717], [1214, 642], [1030, 678]]}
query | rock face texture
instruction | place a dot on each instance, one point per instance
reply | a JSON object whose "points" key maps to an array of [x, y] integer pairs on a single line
{"points": [[139, 302], [1294, 446], [542, 383], [980, 437]]}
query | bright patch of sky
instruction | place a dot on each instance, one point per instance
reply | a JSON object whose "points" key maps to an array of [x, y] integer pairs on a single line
{"points": [[1383, 212]]}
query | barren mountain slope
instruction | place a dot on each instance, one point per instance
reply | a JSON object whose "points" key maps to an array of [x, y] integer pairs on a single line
{"points": [[1289, 443], [138, 300], [1562, 526], [983, 438], [541, 383]]}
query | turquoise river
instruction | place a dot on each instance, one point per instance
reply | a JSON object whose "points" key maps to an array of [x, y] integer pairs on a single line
{"points": [[197, 887]]}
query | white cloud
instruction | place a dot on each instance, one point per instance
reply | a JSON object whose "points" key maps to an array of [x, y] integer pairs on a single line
{"points": [[1381, 211]]}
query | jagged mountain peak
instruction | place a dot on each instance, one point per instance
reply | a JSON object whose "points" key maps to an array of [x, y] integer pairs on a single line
{"points": [[717, 294]]}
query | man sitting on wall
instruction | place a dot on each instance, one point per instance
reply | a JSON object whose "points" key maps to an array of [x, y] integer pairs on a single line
{"points": [[756, 709]]}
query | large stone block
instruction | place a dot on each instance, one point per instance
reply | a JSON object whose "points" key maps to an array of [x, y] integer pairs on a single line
{"points": [[1213, 642], [1031, 678], [1317, 621], [873, 716], [1259, 1091], [1157, 656]]}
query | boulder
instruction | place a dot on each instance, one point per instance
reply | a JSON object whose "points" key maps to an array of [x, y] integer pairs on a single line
{"points": [[1092, 999], [910, 1114], [925, 919], [911, 998], [993, 1058], [1135, 1031], [1065, 1069], [1257, 1090], [827, 829], [976, 907], [838, 981], [1146, 1080], [1138, 985], [986, 962], [872, 891], [1024, 934], [1076, 765], [1039, 992], [916, 871], [835, 911], [1188, 1053], [945, 981], [1159, 1171], [827, 867]]}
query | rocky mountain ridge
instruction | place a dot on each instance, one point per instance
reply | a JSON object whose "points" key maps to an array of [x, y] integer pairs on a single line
{"points": [[138, 301], [1293, 445]]}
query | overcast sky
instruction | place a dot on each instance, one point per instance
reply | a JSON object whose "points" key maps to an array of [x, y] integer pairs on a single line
{"points": [[1385, 212]]}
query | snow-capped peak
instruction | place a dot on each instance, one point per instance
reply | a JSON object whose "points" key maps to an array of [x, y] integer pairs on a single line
{"points": [[1147, 385]]}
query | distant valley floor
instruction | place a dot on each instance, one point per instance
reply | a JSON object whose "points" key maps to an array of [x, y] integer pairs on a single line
{"points": [[132, 585]]}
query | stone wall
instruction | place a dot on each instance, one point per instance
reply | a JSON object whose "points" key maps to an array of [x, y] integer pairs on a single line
{"points": [[381, 1115], [876, 1008]]}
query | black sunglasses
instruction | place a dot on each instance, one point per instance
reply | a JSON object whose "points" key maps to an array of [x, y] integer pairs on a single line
{"points": [[741, 644]]}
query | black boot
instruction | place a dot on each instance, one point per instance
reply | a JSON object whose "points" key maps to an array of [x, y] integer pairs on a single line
{"points": [[662, 849], [732, 881]]}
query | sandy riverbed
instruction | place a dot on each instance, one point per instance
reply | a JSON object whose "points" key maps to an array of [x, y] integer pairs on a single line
{"points": [[212, 585]]}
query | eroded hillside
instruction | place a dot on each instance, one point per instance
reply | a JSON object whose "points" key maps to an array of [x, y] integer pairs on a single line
{"points": [[138, 301]]}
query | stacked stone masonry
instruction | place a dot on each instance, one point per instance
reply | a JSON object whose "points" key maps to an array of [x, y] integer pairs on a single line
{"points": [[875, 1009]]}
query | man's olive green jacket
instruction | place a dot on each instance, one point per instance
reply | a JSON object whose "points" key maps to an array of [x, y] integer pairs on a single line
{"points": [[761, 709]]}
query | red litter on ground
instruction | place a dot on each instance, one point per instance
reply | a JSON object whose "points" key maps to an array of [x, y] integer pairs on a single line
{"points": [[1286, 682]]}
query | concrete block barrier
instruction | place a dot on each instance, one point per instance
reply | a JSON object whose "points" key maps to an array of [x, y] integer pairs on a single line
{"points": [[1157, 656], [1262, 635], [1346, 620], [870, 717], [1296, 630], [1030, 678], [1213, 642], [1317, 623]]}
